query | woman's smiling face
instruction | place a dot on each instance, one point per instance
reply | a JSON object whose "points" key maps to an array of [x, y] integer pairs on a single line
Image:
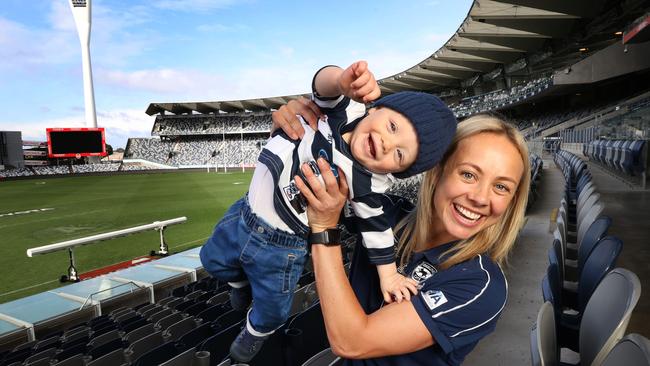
{"points": [[477, 184]]}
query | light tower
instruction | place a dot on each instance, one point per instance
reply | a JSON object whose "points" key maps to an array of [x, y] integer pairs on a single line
{"points": [[82, 17]]}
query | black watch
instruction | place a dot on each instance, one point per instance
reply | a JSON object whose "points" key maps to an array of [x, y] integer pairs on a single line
{"points": [[329, 237]]}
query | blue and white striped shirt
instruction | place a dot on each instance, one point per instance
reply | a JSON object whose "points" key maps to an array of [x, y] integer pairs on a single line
{"points": [[282, 158]]}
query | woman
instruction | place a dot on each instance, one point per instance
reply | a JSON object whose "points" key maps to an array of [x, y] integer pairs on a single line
{"points": [[469, 211]]}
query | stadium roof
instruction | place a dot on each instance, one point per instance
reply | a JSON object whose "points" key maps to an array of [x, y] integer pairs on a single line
{"points": [[497, 38]]}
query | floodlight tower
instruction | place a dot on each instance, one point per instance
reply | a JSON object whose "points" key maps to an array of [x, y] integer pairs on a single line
{"points": [[82, 17]]}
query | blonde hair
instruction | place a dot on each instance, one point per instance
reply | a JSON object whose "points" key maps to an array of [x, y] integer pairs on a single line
{"points": [[495, 240]]}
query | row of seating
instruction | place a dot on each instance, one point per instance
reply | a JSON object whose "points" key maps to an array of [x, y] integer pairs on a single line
{"points": [[536, 165], [625, 156], [588, 302], [195, 325]]}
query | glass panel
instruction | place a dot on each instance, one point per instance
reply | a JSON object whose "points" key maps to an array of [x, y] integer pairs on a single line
{"points": [[180, 261], [39, 307], [146, 273], [6, 327], [194, 251], [100, 288]]}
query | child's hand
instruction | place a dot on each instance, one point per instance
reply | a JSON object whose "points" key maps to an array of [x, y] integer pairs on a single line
{"points": [[396, 287], [358, 83]]}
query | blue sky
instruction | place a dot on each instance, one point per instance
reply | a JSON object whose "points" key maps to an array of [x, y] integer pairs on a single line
{"points": [[196, 50]]}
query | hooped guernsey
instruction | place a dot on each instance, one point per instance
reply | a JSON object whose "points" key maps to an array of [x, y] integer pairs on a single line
{"points": [[281, 159]]}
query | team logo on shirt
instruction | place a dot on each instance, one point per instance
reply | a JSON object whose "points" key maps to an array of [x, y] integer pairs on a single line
{"points": [[423, 271], [433, 298]]}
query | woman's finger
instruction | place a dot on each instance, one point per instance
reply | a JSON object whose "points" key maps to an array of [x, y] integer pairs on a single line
{"points": [[343, 183], [316, 186], [328, 176], [306, 192], [406, 294]]}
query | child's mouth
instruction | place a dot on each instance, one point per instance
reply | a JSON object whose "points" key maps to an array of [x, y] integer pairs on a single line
{"points": [[371, 146]]}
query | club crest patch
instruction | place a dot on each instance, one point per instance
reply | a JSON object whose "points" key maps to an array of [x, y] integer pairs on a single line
{"points": [[433, 298], [423, 271]]}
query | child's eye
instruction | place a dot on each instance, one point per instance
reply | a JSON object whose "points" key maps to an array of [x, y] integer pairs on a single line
{"points": [[393, 126], [400, 156]]}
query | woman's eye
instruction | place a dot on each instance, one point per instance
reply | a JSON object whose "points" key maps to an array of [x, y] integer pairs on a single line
{"points": [[467, 175], [502, 188], [393, 126]]}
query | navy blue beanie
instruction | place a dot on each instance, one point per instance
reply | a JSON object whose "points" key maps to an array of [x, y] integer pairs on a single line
{"points": [[434, 123]]}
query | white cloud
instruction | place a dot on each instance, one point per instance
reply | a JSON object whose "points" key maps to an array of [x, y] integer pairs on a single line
{"points": [[193, 5], [221, 28], [119, 125]]}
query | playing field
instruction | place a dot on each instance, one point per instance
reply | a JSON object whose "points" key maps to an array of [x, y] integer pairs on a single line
{"points": [[80, 206]]}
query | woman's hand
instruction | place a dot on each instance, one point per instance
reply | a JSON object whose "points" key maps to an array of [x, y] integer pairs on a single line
{"points": [[286, 117], [324, 203]]}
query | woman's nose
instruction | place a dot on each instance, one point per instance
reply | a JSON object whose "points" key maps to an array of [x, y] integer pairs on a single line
{"points": [[479, 195]]}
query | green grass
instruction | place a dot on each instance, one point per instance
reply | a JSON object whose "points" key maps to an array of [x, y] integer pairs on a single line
{"points": [[88, 205]]}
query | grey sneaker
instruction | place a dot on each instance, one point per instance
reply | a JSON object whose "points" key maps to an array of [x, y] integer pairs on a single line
{"points": [[246, 346], [240, 298]]}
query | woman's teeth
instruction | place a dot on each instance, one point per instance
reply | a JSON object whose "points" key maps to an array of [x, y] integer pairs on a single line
{"points": [[467, 213]]}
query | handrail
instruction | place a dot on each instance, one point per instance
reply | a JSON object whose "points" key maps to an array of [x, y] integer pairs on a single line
{"points": [[110, 235], [71, 244]]}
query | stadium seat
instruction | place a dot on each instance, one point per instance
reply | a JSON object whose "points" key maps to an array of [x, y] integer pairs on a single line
{"points": [[114, 358], [189, 357], [170, 319], [180, 328], [543, 342], [306, 335], [104, 338], [157, 355], [143, 345], [219, 344], [106, 348], [604, 321], [323, 358], [632, 350], [194, 337], [76, 360], [137, 334]]}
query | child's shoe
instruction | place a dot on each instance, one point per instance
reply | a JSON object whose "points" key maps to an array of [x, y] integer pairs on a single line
{"points": [[246, 346]]}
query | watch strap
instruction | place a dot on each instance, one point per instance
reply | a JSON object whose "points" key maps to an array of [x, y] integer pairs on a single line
{"points": [[330, 237]]}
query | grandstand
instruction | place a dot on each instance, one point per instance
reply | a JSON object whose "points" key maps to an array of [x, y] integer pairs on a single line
{"points": [[573, 75]]}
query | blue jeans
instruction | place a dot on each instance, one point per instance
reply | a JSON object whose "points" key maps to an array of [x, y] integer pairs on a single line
{"points": [[244, 247]]}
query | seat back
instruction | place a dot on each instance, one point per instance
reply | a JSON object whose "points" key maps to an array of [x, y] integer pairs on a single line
{"points": [[584, 210], [596, 231], [588, 219], [607, 314], [601, 260], [589, 190], [543, 340], [633, 350], [115, 358]]}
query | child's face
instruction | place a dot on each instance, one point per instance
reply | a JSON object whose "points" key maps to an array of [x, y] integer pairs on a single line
{"points": [[384, 141]]}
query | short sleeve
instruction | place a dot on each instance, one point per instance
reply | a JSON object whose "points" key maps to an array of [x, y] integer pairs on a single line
{"points": [[461, 305]]}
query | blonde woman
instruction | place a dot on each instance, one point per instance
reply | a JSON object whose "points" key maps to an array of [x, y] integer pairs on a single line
{"points": [[469, 211]]}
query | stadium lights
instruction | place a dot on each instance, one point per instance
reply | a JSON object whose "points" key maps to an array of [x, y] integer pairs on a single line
{"points": [[583, 49], [619, 33], [82, 18]]}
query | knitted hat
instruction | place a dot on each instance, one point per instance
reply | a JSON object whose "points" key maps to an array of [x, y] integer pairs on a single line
{"points": [[434, 123]]}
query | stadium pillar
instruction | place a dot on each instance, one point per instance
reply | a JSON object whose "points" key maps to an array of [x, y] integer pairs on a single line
{"points": [[82, 17]]}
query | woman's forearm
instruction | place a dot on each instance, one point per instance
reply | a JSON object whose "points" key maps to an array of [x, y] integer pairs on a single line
{"points": [[344, 317]]}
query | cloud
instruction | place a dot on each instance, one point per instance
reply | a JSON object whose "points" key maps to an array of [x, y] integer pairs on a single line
{"points": [[119, 125], [221, 28], [164, 80], [193, 5]]}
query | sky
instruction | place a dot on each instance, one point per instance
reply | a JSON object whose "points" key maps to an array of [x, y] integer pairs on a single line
{"points": [[146, 51]]}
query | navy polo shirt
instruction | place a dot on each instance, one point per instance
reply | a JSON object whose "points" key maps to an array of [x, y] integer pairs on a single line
{"points": [[459, 305]]}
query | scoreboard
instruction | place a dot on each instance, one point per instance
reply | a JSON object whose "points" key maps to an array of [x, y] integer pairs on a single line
{"points": [[75, 142]]}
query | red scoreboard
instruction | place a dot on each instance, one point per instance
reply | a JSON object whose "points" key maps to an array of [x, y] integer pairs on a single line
{"points": [[75, 142]]}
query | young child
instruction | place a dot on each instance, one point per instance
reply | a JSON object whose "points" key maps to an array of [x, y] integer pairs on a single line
{"points": [[260, 244]]}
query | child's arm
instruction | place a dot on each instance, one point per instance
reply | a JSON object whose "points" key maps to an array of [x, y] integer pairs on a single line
{"points": [[356, 82], [394, 286]]}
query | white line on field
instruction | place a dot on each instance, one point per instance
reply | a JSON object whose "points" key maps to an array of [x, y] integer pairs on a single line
{"points": [[27, 288]]}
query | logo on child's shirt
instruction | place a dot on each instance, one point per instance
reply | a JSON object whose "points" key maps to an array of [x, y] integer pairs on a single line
{"points": [[423, 271], [433, 298]]}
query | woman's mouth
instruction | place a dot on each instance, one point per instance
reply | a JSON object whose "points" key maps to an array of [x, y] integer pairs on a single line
{"points": [[466, 216]]}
